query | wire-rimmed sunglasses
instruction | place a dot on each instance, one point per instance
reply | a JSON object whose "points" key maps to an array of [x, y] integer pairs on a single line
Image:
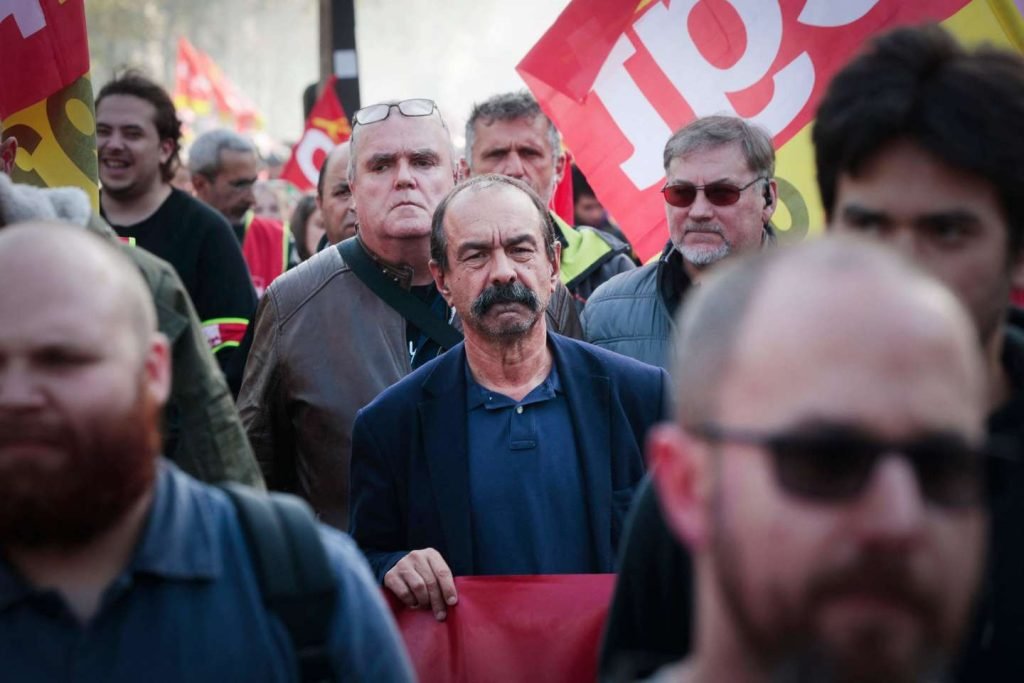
{"points": [[721, 193], [834, 463], [418, 106]]}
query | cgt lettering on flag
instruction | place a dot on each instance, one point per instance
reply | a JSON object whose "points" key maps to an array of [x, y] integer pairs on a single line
{"points": [[671, 61], [326, 128]]}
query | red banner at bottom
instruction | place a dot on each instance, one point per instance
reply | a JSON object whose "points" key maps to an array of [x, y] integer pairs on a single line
{"points": [[511, 628]]}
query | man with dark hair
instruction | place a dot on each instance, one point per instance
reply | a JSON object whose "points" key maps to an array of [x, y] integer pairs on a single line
{"points": [[720, 194], [137, 133], [510, 135], [587, 208], [202, 432], [520, 449], [114, 564], [224, 167], [916, 145], [902, 157], [334, 196], [825, 468]]}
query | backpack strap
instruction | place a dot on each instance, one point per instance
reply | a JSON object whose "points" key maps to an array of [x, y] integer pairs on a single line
{"points": [[411, 308], [294, 575]]}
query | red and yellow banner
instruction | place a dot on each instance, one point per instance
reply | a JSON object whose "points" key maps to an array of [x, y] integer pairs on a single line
{"points": [[202, 91], [618, 78], [326, 127], [46, 100]]}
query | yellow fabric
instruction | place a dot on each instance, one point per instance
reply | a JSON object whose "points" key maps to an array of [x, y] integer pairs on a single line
{"points": [[583, 250]]}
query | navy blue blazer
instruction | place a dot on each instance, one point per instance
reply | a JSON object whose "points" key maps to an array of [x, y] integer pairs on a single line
{"points": [[410, 465]]}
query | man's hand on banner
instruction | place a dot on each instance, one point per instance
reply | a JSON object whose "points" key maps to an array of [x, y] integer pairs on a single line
{"points": [[423, 579]]}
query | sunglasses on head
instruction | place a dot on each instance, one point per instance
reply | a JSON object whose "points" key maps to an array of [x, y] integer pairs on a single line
{"points": [[718, 193], [378, 112], [834, 463]]}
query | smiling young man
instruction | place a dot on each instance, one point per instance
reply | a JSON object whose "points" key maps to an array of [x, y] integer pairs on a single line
{"points": [[520, 449], [137, 134]]}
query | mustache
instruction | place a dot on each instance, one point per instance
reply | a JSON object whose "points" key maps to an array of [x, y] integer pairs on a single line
{"points": [[887, 578], [41, 430], [509, 293], [705, 227]]}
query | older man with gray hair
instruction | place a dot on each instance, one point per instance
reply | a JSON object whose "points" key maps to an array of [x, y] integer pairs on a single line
{"points": [[224, 167], [720, 195], [510, 135]]}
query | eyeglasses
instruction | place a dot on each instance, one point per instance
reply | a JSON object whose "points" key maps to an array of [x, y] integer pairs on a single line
{"points": [[378, 112], [834, 463], [719, 194]]}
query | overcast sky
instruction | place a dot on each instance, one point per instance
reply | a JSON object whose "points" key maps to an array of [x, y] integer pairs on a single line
{"points": [[455, 52]]}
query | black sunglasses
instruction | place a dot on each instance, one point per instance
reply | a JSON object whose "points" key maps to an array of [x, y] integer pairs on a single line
{"points": [[834, 463], [719, 193], [375, 113]]}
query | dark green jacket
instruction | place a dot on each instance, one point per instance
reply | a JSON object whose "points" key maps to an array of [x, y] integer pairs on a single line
{"points": [[203, 433]]}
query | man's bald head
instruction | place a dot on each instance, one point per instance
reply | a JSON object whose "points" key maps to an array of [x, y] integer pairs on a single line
{"points": [[336, 158], [832, 413], [84, 376], [770, 305], [59, 259]]}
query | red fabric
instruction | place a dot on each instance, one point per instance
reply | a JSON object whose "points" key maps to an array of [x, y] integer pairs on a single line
{"points": [[618, 82], [43, 48], [561, 199], [200, 86], [264, 251], [326, 127], [510, 629], [1017, 298]]}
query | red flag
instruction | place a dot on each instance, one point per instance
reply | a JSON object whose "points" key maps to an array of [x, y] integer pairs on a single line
{"points": [[326, 127], [561, 199], [46, 100], [514, 629], [617, 84], [43, 48], [193, 90], [201, 89]]}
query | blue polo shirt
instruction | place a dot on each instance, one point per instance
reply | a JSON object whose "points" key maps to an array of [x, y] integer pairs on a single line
{"points": [[188, 608], [526, 491]]}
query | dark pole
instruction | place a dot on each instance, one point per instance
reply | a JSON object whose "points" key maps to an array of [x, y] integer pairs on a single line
{"points": [[337, 55]]}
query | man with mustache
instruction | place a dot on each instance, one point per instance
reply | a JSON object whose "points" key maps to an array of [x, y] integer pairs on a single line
{"points": [[519, 450], [509, 134], [326, 342], [826, 468], [720, 194], [114, 564]]}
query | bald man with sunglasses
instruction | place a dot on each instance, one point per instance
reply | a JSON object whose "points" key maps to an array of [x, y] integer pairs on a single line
{"points": [[826, 468], [720, 195]]}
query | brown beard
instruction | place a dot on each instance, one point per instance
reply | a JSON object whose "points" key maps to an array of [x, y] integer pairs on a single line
{"points": [[99, 474], [791, 647]]}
